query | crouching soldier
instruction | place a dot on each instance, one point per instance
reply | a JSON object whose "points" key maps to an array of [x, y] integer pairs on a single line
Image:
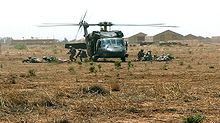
{"points": [[82, 54], [148, 56], [72, 53], [140, 55]]}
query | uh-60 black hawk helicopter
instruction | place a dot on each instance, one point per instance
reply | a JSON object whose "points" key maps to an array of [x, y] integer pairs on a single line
{"points": [[105, 43]]}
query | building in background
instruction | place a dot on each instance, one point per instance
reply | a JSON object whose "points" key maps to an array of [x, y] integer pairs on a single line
{"points": [[167, 35], [137, 38], [190, 37], [35, 41]]}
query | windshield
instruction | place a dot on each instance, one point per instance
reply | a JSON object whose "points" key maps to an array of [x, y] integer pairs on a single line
{"points": [[111, 41]]}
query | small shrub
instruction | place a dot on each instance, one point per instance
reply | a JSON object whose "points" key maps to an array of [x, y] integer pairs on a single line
{"points": [[134, 110], [1, 66], [130, 65], [117, 64], [115, 87], [117, 75], [23, 75], [79, 63], [2, 103], [189, 67], [164, 67], [32, 72], [86, 60], [197, 118], [12, 78], [46, 102], [181, 63], [92, 69], [95, 89], [71, 70], [91, 63], [211, 67], [62, 120], [99, 67], [20, 46]]}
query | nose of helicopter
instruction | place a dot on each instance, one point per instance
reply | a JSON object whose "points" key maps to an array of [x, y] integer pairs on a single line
{"points": [[115, 48]]}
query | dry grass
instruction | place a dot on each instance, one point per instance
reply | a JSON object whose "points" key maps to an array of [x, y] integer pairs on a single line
{"points": [[146, 92]]}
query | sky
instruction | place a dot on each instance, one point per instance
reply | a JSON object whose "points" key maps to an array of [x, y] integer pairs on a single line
{"points": [[19, 18]]}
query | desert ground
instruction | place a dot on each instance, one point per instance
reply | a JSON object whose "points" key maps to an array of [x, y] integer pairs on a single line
{"points": [[138, 91]]}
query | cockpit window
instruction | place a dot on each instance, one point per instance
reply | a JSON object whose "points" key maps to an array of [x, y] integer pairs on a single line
{"points": [[109, 41]]}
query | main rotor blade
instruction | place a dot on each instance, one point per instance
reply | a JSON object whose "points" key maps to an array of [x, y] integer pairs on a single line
{"points": [[168, 26], [157, 24], [78, 31], [57, 24], [84, 16]]}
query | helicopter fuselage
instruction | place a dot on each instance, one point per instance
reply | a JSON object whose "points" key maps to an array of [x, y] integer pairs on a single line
{"points": [[106, 44]]}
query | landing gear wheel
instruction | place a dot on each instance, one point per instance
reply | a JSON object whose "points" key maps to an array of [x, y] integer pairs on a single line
{"points": [[123, 59], [94, 59]]}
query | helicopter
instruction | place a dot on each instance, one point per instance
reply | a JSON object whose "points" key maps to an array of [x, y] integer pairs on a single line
{"points": [[105, 43]]}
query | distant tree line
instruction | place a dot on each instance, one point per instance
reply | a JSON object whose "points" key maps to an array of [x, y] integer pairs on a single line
{"points": [[5, 39]]}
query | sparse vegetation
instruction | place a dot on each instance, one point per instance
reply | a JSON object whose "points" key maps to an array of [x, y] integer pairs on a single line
{"points": [[164, 67], [71, 70], [32, 72], [181, 63], [197, 118], [189, 66], [92, 69], [99, 67], [79, 63], [20, 46], [117, 64], [115, 87], [95, 89], [62, 120], [130, 65], [12, 78], [148, 94]]}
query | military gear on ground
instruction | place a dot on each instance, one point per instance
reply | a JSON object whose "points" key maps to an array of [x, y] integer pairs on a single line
{"points": [[50, 59], [149, 57], [164, 57], [32, 60]]}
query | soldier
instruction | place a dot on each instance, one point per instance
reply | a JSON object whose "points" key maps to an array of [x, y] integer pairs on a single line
{"points": [[148, 56], [72, 53], [140, 54], [32, 60], [81, 54]]}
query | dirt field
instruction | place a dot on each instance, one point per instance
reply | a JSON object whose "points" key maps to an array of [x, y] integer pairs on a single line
{"points": [[147, 92]]}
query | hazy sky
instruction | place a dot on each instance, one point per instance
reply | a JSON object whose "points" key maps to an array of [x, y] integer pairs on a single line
{"points": [[19, 17]]}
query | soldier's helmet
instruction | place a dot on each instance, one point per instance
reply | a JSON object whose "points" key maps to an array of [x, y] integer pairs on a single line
{"points": [[44, 57], [142, 50]]}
